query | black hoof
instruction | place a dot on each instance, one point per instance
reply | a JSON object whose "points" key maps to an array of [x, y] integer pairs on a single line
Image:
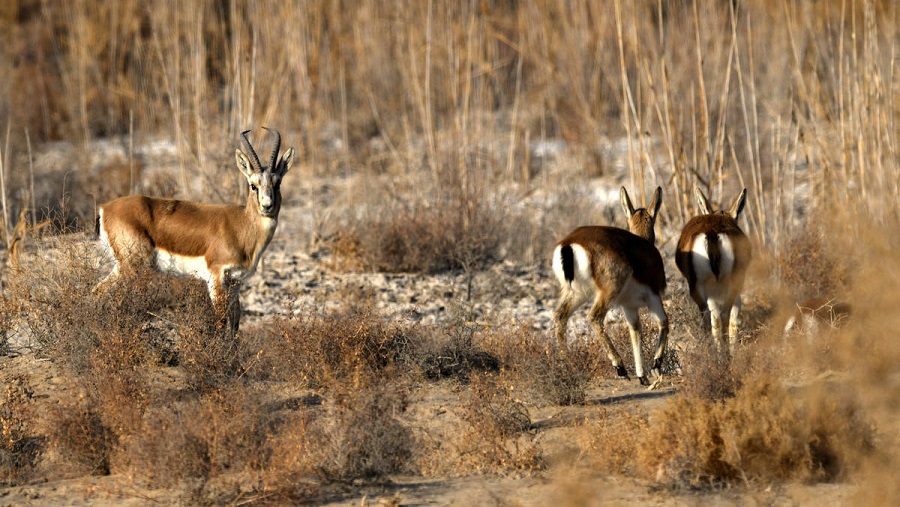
{"points": [[644, 381], [622, 372]]}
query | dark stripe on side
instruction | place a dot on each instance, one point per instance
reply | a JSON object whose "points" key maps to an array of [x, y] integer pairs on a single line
{"points": [[714, 249], [568, 262]]}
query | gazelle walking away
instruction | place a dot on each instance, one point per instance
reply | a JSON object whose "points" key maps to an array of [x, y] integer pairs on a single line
{"points": [[616, 268], [713, 255], [219, 244]]}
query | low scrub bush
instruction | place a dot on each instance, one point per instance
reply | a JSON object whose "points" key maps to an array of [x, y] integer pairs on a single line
{"points": [[20, 448], [456, 235], [534, 366], [497, 435], [319, 350], [765, 433]]}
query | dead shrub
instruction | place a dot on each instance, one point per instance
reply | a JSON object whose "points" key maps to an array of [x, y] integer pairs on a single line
{"points": [[497, 436], [812, 265], [20, 448], [200, 442], [612, 440], [533, 364], [321, 349], [457, 354], [207, 354], [454, 235], [363, 434], [764, 433], [78, 433], [707, 375]]}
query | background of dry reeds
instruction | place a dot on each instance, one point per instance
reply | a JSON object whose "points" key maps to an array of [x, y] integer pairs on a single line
{"points": [[794, 100]]}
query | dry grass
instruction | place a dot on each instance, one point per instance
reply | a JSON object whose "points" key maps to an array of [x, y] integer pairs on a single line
{"points": [[20, 447]]}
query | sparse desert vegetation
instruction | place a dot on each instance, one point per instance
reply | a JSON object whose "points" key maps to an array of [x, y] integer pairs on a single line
{"points": [[397, 343]]}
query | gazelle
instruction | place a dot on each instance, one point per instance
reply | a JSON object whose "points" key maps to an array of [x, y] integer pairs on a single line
{"points": [[219, 244], [713, 255], [616, 268]]}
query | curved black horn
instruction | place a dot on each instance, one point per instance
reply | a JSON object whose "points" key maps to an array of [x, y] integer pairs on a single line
{"points": [[274, 157], [254, 158]]}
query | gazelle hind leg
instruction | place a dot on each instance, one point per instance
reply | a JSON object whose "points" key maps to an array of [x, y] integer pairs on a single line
{"points": [[734, 321], [658, 312], [633, 318], [597, 314], [569, 301], [715, 325]]}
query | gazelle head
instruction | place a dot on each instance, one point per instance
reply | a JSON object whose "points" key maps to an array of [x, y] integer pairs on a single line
{"points": [[706, 209], [264, 181], [642, 220]]}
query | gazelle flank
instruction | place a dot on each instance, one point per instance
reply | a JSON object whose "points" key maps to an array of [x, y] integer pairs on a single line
{"points": [[219, 244], [713, 255], [614, 268]]}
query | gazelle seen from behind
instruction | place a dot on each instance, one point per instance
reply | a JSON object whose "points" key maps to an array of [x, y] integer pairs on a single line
{"points": [[713, 255], [219, 244], [614, 268]]}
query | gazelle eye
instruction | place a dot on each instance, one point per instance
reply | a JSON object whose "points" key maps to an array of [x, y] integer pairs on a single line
{"points": [[253, 187]]}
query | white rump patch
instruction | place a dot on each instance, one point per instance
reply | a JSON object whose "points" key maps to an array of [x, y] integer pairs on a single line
{"points": [[713, 289], [700, 257], [583, 281]]}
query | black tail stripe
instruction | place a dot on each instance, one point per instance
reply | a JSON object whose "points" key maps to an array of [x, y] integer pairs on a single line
{"points": [[568, 262], [714, 250]]}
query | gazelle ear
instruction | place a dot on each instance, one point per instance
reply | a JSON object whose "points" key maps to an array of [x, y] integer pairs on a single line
{"points": [[738, 205], [243, 163], [287, 158], [626, 203], [702, 202], [655, 202]]}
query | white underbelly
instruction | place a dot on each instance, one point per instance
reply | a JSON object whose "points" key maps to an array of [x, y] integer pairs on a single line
{"points": [[183, 265]]}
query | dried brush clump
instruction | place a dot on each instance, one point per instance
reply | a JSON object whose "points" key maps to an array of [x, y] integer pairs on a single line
{"points": [[321, 350], [765, 433], [532, 363], [20, 447], [83, 440], [429, 239], [363, 433], [497, 435], [812, 264], [611, 441], [203, 443]]}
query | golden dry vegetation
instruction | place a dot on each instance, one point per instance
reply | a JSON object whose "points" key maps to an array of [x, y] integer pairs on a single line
{"points": [[447, 141]]}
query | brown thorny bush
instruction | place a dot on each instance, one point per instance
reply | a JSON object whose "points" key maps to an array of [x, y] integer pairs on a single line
{"points": [[763, 434], [20, 446]]}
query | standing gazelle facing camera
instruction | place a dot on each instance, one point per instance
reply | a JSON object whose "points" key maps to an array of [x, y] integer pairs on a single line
{"points": [[219, 244], [615, 268], [713, 254]]}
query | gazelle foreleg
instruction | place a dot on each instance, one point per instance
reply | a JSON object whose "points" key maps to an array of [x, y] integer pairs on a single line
{"points": [[224, 293]]}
